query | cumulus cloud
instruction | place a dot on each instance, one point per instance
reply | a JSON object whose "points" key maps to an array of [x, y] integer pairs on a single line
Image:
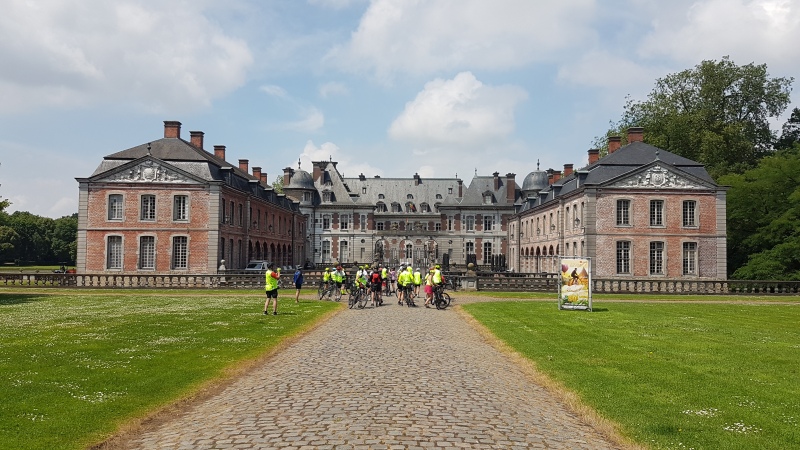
{"points": [[748, 30], [460, 112], [275, 91], [314, 120], [336, 4], [160, 56], [420, 37], [330, 151], [332, 88]]}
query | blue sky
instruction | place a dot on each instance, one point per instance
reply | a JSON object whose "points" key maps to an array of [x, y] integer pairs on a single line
{"points": [[385, 87]]}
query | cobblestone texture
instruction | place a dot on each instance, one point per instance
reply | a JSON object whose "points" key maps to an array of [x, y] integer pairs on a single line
{"points": [[385, 378]]}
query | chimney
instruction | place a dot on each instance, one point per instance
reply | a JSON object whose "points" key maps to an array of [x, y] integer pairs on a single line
{"points": [[511, 190], [613, 143], [635, 134], [556, 176], [317, 171], [550, 176], [594, 155], [264, 178], [567, 170], [219, 152], [416, 179], [287, 175], [244, 165], [197, 138], [460, 187], [172, 129], [496, 176], [362, 177], [257, 173]]}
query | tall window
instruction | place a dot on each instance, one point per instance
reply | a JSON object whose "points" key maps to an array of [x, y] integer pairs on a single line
{"points": [[470, 223], [306, 196], [487, 252], [689, 213], [690, 258], [344, 251], [379, 226], [623, 257], [409, 251], [326, 222], [363, 222], [450, 223], [148, 207], [241, 215], [344, 221], [147, 252], [180, 205], [488, 223], [230, 214], [656, 213], [115, 207], [470, 248], [180, 252], [657, 258], [326, 251], [438, 226], [623, 212], [114, 252]]}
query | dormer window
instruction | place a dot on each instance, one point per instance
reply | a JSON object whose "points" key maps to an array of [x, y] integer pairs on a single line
{"points": [[326, 196], [438, 196], [409, 197], [381, 196], [363, 190], [306, 196], [487, 199]]}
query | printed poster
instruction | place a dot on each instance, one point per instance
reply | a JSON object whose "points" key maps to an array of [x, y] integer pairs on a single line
{"points": [[574, 290]]}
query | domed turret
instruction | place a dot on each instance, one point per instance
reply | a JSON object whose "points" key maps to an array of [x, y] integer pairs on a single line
{"points": [[535, 181], [301, 180]]}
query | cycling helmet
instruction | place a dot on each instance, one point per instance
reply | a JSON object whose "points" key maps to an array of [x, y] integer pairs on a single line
{"points": [[438, 266]]}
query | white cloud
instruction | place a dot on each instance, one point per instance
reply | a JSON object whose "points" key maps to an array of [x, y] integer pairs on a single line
{"points": [[330, 151], [462, 112], [314, 120], [421, 37], [158, 56], [763, 31], [275, 91], [332, 88], [336, 4]]}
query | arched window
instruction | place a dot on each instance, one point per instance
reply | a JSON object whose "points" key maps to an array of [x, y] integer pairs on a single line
{"points": [[409, 197]]}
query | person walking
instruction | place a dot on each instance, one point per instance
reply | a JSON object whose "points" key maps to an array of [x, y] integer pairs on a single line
{"points": [[429, 287], [417, 281], [298, 284], [271, 288]]}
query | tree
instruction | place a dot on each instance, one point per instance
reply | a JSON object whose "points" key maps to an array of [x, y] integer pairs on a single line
{"points": [[716, 113], [790, 134], [64, 241], [8, 239], [278, 185], [34, 244]]}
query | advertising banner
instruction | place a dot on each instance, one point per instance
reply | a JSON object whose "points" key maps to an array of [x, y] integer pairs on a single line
{"points": [[575, 287]]}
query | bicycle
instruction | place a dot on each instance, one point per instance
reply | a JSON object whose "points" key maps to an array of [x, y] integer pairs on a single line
{"points": [[358, 298], [327, 291], [441, 299], [452, 283]]}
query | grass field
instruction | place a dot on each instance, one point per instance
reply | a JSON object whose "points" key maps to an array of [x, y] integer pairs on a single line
{"points": [[76, 364], [672, 375]]}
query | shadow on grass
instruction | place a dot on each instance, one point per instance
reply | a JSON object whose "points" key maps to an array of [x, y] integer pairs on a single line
{"points": [[599, 309], [16, 299]]}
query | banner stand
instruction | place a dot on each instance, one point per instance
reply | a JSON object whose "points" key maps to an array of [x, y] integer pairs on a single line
{"points": [[575, 284]]}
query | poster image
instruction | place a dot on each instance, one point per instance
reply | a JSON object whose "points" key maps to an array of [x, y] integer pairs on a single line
{"points": [[574, 289]]}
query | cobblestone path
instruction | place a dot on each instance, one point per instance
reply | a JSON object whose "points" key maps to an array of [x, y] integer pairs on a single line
{"points": [[380, 378]]}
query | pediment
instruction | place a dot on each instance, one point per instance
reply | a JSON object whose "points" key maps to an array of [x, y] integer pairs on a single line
{"points": [[659, 176], [147, 170]]}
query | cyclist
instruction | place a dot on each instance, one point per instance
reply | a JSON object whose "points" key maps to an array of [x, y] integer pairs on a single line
{"points": [[338, 277], [326, 278], [384, 279], [393, 280], [417, 281], [429, 287], [375, 287]]}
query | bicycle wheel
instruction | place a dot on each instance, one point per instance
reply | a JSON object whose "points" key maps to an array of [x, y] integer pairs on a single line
{"points": [[446, 298], [337, 295], [352, 299], [321, 291], [362, 300], [440, 302]]}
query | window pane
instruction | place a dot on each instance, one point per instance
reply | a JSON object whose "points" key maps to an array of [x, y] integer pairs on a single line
{"points": [[147, 252], [148, 207], [690, 258], [623, 257], [180, 252], [115, 207], [689, 213], [656, 213], [623, 212], [656, 257], [179, 208], [114, 253], [487, 252]]}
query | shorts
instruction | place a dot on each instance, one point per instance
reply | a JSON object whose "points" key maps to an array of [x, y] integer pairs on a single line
{"points": [[428, 289], [298, 285], [376, 287], [339, 284], [272, 294]]}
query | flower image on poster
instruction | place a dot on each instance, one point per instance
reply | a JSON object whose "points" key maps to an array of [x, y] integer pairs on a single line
{"points": [[574, 290]]}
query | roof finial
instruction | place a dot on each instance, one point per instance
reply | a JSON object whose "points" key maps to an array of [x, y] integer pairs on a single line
{"points": [[330, 158], [148, 150], [657, 152], [537, 165], [298, 163], [476, 171]]}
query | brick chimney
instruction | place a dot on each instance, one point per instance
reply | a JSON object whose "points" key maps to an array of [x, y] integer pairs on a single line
{"points": [[287, 175], [257, 173], [613, 143], [594, 155], [496, 176], [197, 138], [244, 165], [172, 129], [416, 179], [264, 178], [567, 170], [317, 171], [460, 187], [556, 176], [219, 152], [549, 176], [510, 187], [635, 134]]}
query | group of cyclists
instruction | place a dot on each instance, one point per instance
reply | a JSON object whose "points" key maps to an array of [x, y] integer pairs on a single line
{"points": [[379, 280]]}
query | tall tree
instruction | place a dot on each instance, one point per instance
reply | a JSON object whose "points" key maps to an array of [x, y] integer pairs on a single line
{"points": [[790, 134], [716, 113], [278, 185], [64, 240]]}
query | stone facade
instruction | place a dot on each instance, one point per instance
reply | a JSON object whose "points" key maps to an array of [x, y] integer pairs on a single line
{"points": [[169, 206]]}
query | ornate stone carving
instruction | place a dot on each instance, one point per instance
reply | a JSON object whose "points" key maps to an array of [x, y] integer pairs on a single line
{"points": [[148, 172], [657, 177]]}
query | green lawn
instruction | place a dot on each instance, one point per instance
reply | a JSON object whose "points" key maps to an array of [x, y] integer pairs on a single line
{"points": [[711, 376], [640, 296], [76, 364]]}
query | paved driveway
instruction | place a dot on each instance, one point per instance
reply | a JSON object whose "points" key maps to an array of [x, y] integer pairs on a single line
{"points": [[391, 377]]}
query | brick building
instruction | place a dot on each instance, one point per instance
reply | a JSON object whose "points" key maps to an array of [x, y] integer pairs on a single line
{"points": [[170, 206], [638, 212], [403, 220]]}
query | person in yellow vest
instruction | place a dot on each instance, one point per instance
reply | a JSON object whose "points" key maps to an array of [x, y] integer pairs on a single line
{"points": [[417, 281], [271, 287], [326, 277], [338, 277], [429, 287]]}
